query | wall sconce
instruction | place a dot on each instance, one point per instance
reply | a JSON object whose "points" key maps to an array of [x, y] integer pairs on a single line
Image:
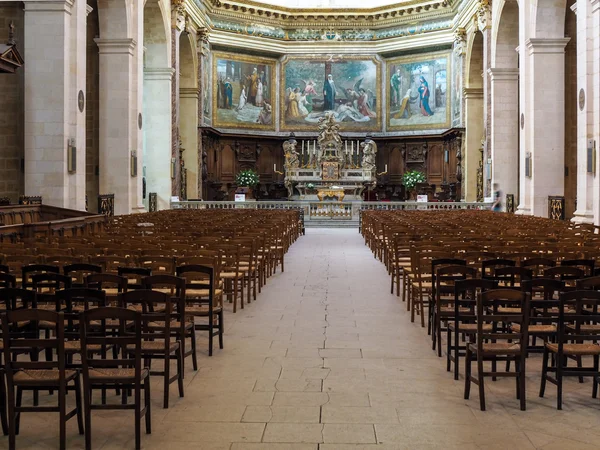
{"points": [[133, 163], [528, 168], [173, 170], [591, 156], [71, 156]]}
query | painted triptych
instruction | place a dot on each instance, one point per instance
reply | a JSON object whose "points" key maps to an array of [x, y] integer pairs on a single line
{"points": [[419, 92], [348, 86], [243, 91]]}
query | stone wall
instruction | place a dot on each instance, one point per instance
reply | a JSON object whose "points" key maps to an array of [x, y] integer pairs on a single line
{"points": [[11, 109]]}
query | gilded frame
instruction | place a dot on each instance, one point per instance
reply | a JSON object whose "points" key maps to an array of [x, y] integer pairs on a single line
{"points": [[412, 59], [216, 56], [374, 126], [325, 171]]}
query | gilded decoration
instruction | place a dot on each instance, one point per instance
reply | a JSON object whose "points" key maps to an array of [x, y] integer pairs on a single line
{"points": [[243, 94], [347, 86], [418, 94]]}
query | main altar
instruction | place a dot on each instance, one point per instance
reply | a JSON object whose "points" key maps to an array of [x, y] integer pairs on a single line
{"points": [[330, 169]]}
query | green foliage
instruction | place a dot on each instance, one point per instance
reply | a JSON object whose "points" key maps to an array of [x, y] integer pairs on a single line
{"points": [[412, 178], [247, 178]]}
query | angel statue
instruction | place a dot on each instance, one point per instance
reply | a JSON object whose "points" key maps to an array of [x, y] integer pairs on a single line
{"points": [[291, 155], [369, 149], [329, 130]]}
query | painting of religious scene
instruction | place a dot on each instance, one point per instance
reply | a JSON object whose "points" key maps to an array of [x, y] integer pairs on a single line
{"points": [[244, 92], [418, 94], [348, 86]]}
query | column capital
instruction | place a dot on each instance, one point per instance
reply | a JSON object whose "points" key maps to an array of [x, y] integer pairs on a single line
{"points": [[188, 92], [547, 45], [595, 5], [502, 74], [473, 93], [49, 6], [158, 73], [115, 46]]}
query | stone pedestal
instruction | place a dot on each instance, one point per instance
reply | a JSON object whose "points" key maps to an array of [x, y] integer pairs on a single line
{"points": [[504, 135], [157, 133]]}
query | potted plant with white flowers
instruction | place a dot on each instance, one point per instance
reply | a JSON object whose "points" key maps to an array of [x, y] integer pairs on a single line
{"points": [[247, 179], [411, 179]]}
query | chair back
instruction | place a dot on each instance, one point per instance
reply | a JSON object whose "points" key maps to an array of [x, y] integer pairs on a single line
{"points": [[29, 270], [155, 307], [578, 319], [498, 308], [489, 266], [17, 338], [102, 281], [7, 280], [512, 277], [200, 277], [79, 271], [127, 333], [15, 298], [568, 274], [72, 301], [134, 276], [587, 265]]}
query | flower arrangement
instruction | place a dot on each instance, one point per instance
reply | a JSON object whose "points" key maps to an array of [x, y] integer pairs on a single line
{"points": [[310, 185], [412, 178], [247, 178]]}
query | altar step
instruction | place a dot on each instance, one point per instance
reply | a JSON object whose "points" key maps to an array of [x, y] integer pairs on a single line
{"points": [[328, 223]]}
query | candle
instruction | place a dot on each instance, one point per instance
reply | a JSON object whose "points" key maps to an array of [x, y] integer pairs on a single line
{"points": [[346, 146], [386, 168], [274, 167], [352, 146], [303, 146]]}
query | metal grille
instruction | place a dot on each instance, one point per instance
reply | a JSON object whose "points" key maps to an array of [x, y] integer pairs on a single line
{"points": [[30, 200], [152, 202], [510, 203], [556, 207]]}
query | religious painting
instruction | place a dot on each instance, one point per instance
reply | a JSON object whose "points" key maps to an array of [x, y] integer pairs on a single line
{"points": [[418, 95], [456, 88], [243, 91], [347, 85]]}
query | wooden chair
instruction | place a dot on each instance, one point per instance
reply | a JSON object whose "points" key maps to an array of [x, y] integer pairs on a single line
{"points": [[181, 327], [7, 280], [78, 272], [489, 266], [203, 299], [126, 373], [464, 320], [156, 342], [28, 271], [22, 375], [578, 336], [512, 277], [587, 265], [496, 343], [134, 276]]}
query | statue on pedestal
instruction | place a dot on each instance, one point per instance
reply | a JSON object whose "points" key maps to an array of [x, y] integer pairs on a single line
{"points": [[291, 155], [369, 148]]}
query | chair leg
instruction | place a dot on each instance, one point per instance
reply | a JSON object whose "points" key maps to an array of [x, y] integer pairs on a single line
{"points": [[559, 381], [18, 415], [78, 405], [194, 356], [448, 347], [595, 384], [221, 330], [3, 417], [523, 384], [62, 419], [166, 379], [179, 372], [467, 374], [87, 413], [211, 321], [148, 405], [544, 372], [138, 415], [480, 378]]}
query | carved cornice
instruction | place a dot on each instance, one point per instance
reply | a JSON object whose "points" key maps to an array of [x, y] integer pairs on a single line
{"points": [[460, 41], [178, 14], [484, 15]]}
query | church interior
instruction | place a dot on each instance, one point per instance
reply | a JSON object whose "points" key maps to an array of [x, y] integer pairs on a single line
{"points": [[336, 225]]}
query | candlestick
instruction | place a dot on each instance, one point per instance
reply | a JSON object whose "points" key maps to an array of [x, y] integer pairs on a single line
{"points": [[346, 146], [303, 146]]}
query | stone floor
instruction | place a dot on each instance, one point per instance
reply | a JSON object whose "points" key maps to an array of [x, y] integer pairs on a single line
{"points": [[327, 359]]}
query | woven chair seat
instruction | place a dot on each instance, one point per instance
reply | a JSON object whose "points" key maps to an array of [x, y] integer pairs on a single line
{"points": [[231, 274], [576, 349], [469, 327], [111, 324], [201, 310], [41, 377], [191, 293], [498, 348], [508, 310], [174, 325], [584, 329], [155, 346], [100, 375], [75, 347], [537, 329], [450, 309]]}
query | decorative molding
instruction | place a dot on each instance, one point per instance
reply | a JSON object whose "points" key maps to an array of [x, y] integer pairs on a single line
{"points": [[460, 41], [178, 15], [473, 93], [501, 74], [549, 45], [158, 73], [188, 92], [484, 15], [115, 46]]}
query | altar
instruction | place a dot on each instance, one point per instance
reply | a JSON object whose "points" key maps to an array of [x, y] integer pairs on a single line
{"points": [[330, 170]]}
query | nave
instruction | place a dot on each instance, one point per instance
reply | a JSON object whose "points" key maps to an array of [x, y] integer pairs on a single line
{"points": [[327, 359]]}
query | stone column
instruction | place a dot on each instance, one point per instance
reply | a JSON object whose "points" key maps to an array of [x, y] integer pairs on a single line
{"points": [[585, 127], [54, 74], [546, 134], [594, 98], [473, 137], [157, 134], [504, 138], [188, 129], [177, 26], [116, 121], [484, 22]]}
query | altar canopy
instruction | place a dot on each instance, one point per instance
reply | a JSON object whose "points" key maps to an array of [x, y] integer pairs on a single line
{"points": [[330, 167]]}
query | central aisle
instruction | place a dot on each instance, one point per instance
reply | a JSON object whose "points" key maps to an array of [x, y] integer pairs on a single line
{"points": [[327, 359]]}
